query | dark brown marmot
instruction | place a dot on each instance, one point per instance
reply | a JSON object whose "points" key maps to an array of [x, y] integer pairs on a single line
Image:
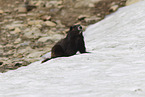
{"points": [[69, 46]]}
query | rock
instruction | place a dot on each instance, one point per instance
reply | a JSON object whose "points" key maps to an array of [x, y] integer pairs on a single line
{"points": [[45, 17], [59, 24], [91, 5], [35, 54], [1, 46], [1, 11], [44, 39], [17, 22], [33, 33], [32, 2], [39, 26], [54, 10], [25, 43], [16, 9], [10, 27], [31, 60], [17, 40], [51, 37], [53, 3], [35, 22], [22, 15], [31, 14], [25, 50], [8, 17], [129, 2], [22, 8], [13, 26], [13, 32], [82, 17], [92, 19], [48, 5], [86, 3], [113, 8], [57, 37], [8, 11], [17, 2], [1, 52], [40, 3], [17, 30], [49, 23], [37, 45]]}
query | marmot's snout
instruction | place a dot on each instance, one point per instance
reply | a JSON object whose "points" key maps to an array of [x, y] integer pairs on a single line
{"points": [[80, 29]]}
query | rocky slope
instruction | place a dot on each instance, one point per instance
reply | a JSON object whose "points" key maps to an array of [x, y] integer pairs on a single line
{"points": [[28, 30]]}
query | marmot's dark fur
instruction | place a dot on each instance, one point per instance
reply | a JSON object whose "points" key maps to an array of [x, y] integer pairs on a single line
{"points": [[69, 46]]}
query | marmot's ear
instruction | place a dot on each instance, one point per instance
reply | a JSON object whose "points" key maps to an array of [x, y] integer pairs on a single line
{"points": [[71, 28]]}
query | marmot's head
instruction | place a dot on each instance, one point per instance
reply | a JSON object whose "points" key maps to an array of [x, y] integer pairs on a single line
{"points": [[76, 29]]}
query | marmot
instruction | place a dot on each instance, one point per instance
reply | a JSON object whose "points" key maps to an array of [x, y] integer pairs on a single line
{"points": [[73, 42]]}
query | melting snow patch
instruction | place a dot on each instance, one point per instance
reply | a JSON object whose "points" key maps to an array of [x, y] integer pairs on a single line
{"points": [[114, 68]]}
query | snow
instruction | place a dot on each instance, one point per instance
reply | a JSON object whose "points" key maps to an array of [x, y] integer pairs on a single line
{"points": [[114, 68]]}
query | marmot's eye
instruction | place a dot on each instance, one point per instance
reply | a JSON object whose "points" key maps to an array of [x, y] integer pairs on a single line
{"points": [[80, 28]]}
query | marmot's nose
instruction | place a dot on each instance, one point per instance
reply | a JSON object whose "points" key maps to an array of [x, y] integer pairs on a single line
{"points": [[80, 28]]}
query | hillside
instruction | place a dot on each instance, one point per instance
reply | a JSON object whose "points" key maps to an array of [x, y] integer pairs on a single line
{"points": [[29, 28], [114, 68]]}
